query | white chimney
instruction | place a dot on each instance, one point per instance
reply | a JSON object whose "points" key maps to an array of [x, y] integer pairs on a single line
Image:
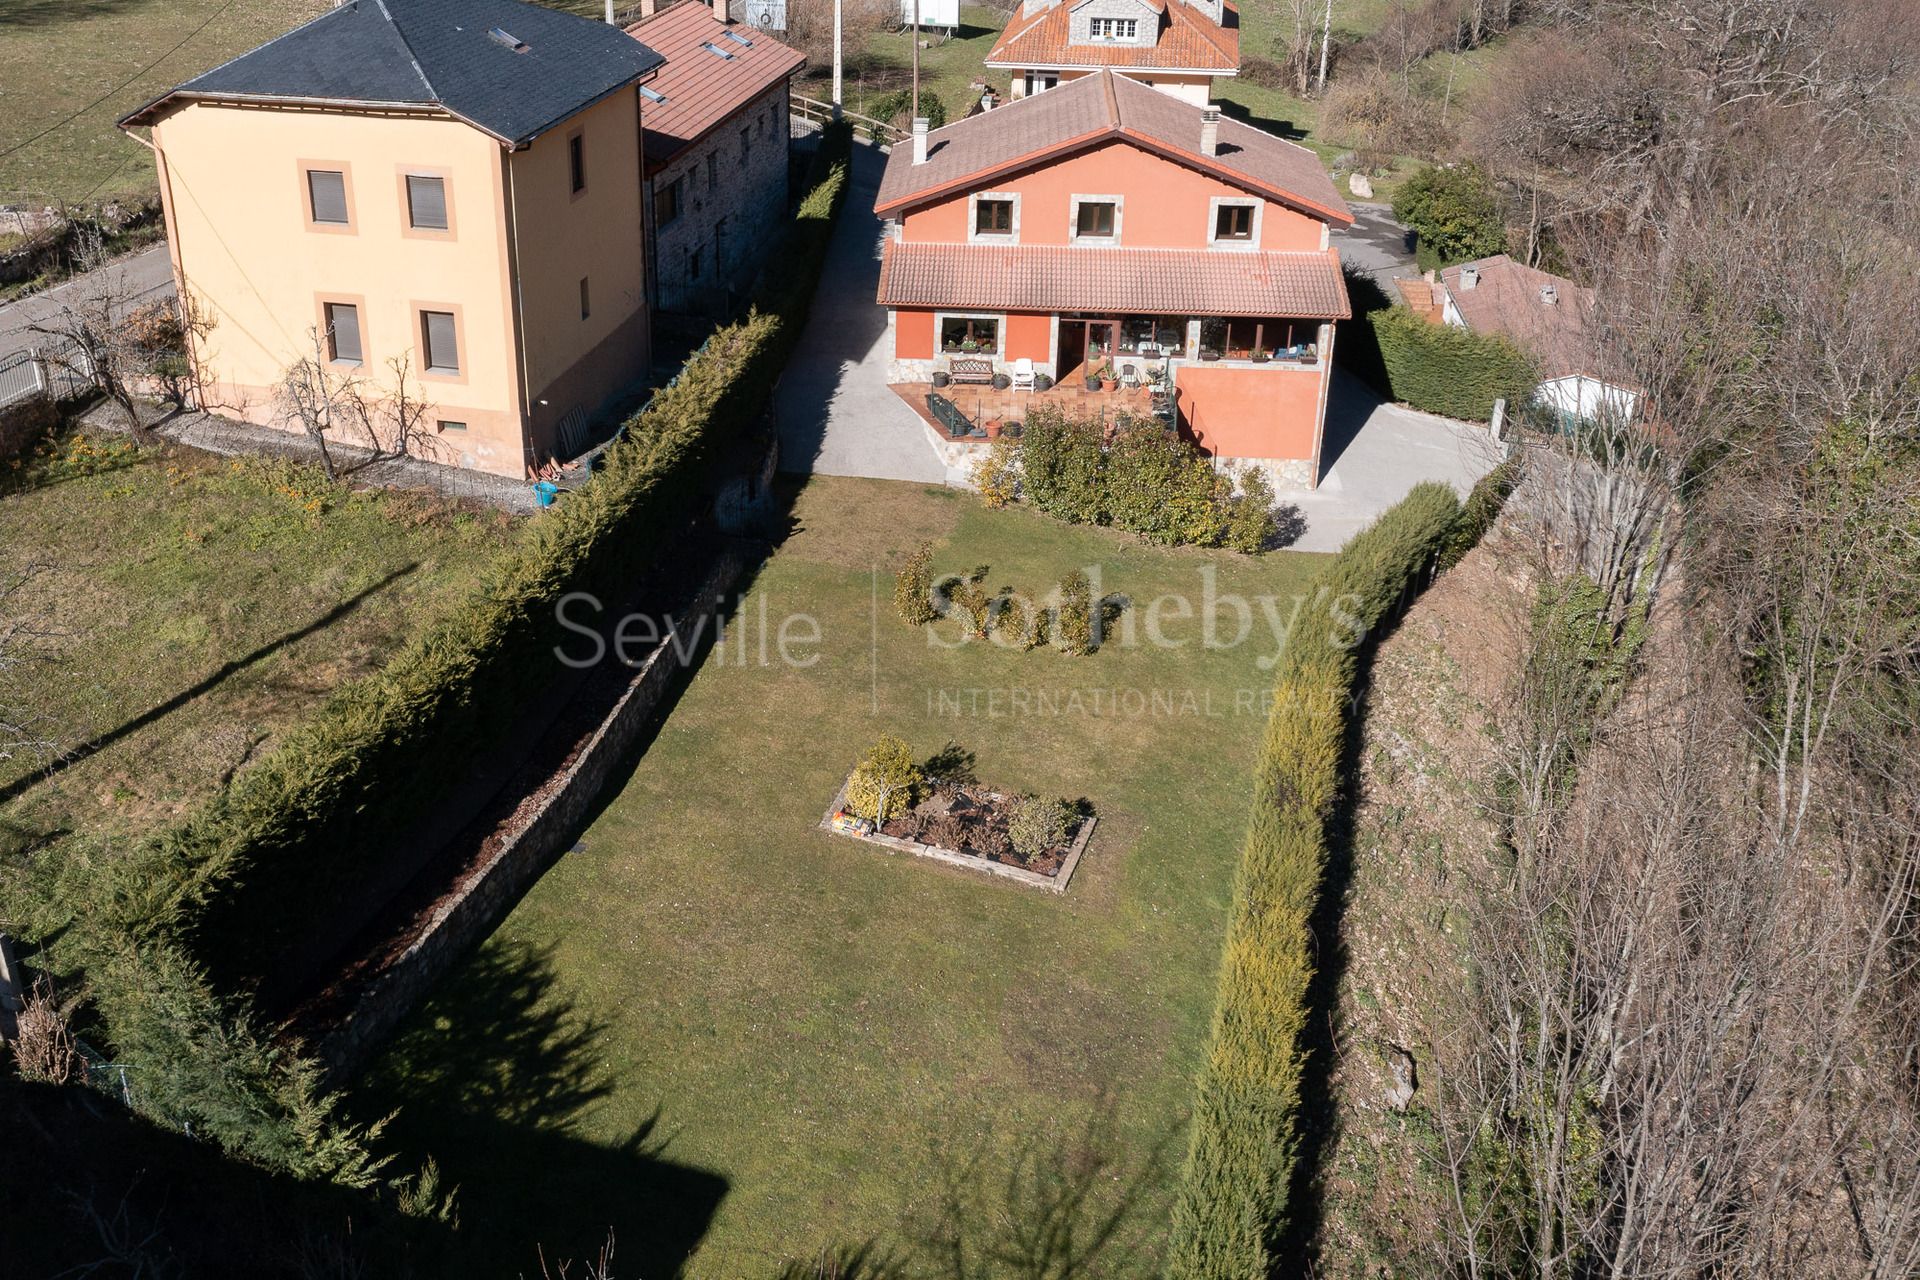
{"points": [[919, 139], [1210, 129], [1469, 277], [1549, 295]]}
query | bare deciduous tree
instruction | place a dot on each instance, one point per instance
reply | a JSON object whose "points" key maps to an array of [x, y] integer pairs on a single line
{"points": [[332, 405]]}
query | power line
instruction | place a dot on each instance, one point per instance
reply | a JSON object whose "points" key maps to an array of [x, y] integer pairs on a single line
{"points": [[61, 124]]}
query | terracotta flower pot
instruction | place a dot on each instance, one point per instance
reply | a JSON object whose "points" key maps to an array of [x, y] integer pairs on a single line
{"points": [[1108, 384], [993, 428]]}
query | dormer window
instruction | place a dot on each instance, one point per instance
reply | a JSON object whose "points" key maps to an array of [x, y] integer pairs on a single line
{"points": [[1118, 30]]}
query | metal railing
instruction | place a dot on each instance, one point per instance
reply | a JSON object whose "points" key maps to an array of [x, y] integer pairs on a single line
{"points": [[816, 112], [22, 374]]}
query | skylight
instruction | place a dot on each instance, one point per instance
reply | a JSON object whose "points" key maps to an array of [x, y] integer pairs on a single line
{"points": [[506, 39], [716, 50], [737, 38], [651, 94]]}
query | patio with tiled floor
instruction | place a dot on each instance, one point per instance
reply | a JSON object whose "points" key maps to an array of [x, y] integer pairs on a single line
{"points": [[984, 404]]}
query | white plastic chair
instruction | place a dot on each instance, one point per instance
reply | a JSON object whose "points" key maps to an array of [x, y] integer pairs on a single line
{"points": [[1023, 374]]}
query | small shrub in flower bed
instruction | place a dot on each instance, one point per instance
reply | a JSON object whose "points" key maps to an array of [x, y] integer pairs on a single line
{"points": [[1020, 831]]}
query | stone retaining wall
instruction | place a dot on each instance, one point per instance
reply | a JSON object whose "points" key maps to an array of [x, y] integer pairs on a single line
{"points": [[462, 922]]}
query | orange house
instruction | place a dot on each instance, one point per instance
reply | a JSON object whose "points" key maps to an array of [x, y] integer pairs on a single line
{"points": [[1105, 225]]}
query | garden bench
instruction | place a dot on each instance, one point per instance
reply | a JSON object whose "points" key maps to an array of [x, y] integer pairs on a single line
{"points": [[970, 369]]}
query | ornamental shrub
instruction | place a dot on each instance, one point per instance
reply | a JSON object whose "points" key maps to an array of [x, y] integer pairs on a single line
{"points": [[1445, 369], [1250, 523], [1061, 465], [1162, 488], [913, 588], [1039, 825], [997, 474], [884, 782], [1453, 210], [1233, 1199], [1074, 630], [1481, 509]]}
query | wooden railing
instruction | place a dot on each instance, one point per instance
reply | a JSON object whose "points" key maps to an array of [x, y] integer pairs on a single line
{"points": [[816, 112]]}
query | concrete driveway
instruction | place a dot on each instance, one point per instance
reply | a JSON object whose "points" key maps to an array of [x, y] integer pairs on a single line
{"points": [[837, 415], [1373, 453], [1376, 244]]}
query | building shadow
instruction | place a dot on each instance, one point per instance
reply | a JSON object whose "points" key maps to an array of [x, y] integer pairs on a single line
{"points": [[1266, 124], [497, 1077], [93, 746]]}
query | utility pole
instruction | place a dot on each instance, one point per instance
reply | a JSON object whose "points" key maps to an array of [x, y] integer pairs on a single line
{"points": [[916, 59], [836, 59]]}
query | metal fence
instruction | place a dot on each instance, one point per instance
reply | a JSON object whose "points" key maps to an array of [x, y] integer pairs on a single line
{"points": [[22, 374]]}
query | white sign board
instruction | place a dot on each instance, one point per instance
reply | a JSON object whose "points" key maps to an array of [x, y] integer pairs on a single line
{"points": [[768, 15], [939, 14]]}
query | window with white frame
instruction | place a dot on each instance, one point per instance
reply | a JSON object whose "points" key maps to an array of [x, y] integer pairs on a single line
{"points": [[1096, 219], [1118, 29]]}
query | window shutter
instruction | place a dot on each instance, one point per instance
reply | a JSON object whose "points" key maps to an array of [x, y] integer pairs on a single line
{"points": [[442, 354], [427, 202], [343, 331], [327, 189]]}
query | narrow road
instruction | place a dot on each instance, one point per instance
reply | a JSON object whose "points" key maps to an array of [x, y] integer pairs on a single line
{"points": [[142, 277]]}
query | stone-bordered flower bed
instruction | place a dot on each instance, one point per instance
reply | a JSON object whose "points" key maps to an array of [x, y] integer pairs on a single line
{"points": [[967, 825]]}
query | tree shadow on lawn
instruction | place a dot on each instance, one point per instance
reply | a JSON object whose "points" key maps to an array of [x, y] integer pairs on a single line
{"points": [[48, 13], [493, 1079]]}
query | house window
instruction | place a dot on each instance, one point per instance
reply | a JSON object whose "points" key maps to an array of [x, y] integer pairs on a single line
{"points": [[993, 217], [1233, 222], [438, 341], [446, 425], [966, 334], [577, 161], [327, 196], [343, 332], [1094, 219], [586, 305], [1041, 81], [666, 203], [426, 202], [1114, 28]]}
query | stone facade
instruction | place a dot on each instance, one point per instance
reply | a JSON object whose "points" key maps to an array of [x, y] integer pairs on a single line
{"points": [[1146, 22], [732, 200]]}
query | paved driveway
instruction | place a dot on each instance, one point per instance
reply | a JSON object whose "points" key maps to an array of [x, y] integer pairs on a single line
{"points": [[142, 277], [837, 415]]}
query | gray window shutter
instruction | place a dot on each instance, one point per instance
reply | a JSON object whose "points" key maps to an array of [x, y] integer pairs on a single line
{"points": [[442, 354], [343, 326], [427, 201], [327, 188]]}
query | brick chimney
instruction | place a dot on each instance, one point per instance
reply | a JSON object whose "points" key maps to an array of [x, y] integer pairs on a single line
{"points": [[1210, 129], [919, 139], [720, 10]]}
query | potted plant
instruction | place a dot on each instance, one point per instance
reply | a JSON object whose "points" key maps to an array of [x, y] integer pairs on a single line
{"points": [[941, 378], [993, 428], [1107, 381], [1041, 382], [1001, 382], [1093, 378], [1259, 355], [1208, 353]]}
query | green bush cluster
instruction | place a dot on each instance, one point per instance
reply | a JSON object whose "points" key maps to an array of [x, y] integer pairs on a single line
{"points": [[1039, 825], [1481, 509], [1445, 369], [1147, 480], [207, 905], [913, 588], [896, 108], [1453, 211], [1074, 629], [1233, 1199], [884, 782]]}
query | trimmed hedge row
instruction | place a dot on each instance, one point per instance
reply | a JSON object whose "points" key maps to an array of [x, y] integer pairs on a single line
{"points": [[291, 837], [1445, 369], [1233, 1198]]}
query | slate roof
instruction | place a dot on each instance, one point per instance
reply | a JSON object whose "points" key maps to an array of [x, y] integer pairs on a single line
{"points": [[1507, 301], [1167, 282], [1098, 108], [435, 53], [700, 89], [1188, 40]]}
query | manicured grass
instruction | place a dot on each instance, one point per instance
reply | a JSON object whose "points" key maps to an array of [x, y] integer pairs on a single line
{"points": [[59, 56], [199, 606], [812, 1037]]}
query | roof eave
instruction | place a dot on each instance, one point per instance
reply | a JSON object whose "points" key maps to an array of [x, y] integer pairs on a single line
{"points": [[1016, 64], [1227, 173], [148, 113]]}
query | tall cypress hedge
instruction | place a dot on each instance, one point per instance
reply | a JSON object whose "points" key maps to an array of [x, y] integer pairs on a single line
{"points": [[1232, 1205], [1445, 369], [293, 836]]}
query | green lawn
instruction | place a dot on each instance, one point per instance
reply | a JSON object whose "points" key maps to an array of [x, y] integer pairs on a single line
{"points": [[76, 66], [714, 1023], [196, 607]]}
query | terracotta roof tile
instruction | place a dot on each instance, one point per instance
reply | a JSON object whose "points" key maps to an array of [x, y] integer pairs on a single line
{"points": [[1507, 300], [1188, 41], [1097, 108], [701, 88], [1189, 282]]}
